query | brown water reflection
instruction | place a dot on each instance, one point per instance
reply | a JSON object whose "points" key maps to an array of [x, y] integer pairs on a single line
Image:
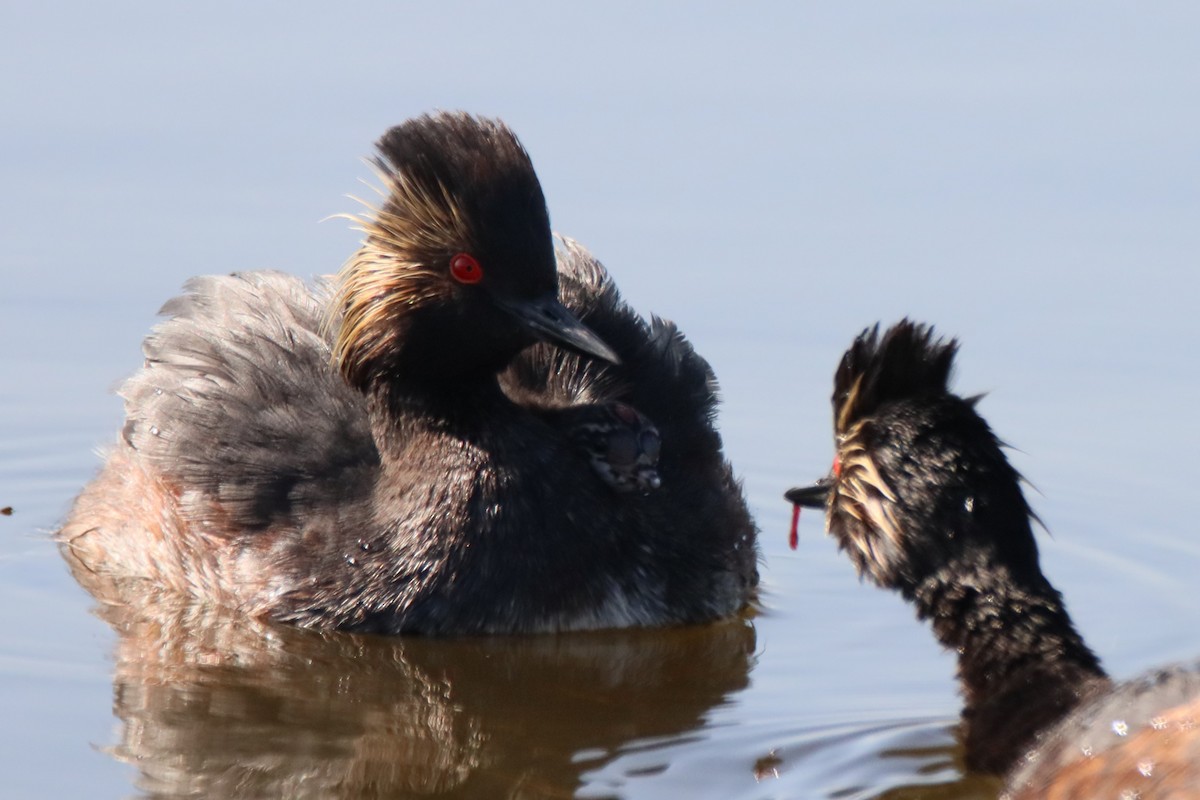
{"points": [[214, 705]]}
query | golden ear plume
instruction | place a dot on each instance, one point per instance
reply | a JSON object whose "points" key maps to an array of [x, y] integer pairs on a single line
{"points": [[400, 264]]}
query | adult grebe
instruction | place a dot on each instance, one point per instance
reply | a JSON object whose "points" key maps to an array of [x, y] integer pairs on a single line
{"points": [[924, 501], [380, 455]]}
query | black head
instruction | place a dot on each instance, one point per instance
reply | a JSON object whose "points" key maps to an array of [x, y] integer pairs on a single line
{"points": [[457, 272], [919, 479]]}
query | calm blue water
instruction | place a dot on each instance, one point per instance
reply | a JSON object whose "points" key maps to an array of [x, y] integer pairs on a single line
{"points": [[773, 179]]}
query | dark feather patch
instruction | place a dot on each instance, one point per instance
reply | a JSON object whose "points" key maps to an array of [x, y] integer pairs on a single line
{"points": [[908, 361], [238, 401]]}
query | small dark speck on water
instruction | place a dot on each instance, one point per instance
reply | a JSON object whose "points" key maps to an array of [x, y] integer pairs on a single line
{"points": [[767, 766]]}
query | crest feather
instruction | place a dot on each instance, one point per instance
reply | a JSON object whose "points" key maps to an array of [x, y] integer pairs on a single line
{"points": [[907, 361]]}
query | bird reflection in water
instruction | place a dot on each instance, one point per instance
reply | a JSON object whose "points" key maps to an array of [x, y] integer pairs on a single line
{"points": [[215, 705]]}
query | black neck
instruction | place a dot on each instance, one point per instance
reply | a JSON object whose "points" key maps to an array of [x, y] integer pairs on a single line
{"points": [[1021, 663], [459, 404]]}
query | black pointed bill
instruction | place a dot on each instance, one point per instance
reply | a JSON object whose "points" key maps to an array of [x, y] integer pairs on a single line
{"points": [[813, 496], [551, 321]]}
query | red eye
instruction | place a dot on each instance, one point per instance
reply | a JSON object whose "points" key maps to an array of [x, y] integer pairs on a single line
{"points": [[465, 269], [837, 467]]}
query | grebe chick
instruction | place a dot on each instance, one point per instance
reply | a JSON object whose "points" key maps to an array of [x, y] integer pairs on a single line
{"points": [[923, 500], [621, 444], [350, 455]]}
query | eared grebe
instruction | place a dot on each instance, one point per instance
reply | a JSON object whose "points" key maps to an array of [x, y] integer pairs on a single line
{"points": [[379, 454], [924, 501]]}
